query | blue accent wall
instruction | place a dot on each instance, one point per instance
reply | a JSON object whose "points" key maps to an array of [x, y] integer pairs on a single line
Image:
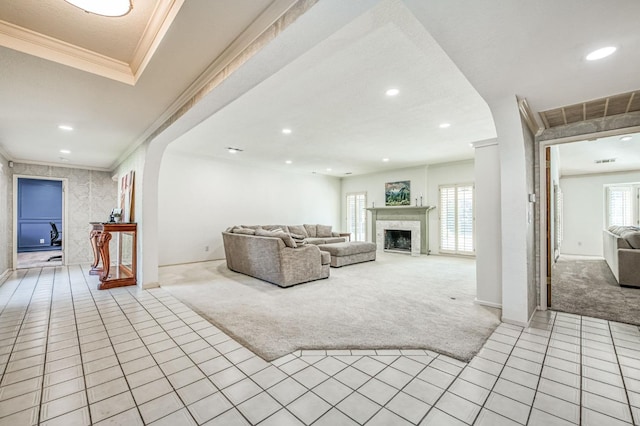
{"points": [[39, 202]]}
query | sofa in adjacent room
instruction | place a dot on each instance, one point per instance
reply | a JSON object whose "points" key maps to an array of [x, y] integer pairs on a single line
{"points": [[622, 253], [280, 254]]}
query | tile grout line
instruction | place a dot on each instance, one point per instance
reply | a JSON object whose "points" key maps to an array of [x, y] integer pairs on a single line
{"points": [[497, 377], [15, 339], [622, 376], [198, 367], [46, 344], [544, 358], [95, 304], [22, 321]]}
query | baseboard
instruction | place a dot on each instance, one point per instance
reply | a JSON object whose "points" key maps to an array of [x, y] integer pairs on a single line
{"points": [[485, 303], [147, 286], [520, 323], [4, 275]]}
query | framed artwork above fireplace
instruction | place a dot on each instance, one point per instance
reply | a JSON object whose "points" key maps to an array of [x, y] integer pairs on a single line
{"points": [[397, 193]]}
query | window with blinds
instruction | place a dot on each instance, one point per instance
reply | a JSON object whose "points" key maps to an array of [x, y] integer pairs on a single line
{"points": [[456, 219], [357, 216], [620, 205]]}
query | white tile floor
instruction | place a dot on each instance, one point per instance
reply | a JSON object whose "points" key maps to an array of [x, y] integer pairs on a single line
{"points": [[70, 354]]}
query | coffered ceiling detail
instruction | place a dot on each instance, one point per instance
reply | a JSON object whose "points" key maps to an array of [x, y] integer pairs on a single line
{"points": [[116, 48]]}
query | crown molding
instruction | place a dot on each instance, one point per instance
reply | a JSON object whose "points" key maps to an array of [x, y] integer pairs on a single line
{"points": [[62, 165], [161, 19], [264, 23], [49, 48], [42, 46]]}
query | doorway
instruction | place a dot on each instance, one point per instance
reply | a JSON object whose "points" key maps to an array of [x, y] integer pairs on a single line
{"points": [[39, 225], [576, 181]]}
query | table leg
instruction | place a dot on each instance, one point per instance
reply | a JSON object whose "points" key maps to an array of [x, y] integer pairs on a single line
{"points": [[103, 246], [95, 270]]}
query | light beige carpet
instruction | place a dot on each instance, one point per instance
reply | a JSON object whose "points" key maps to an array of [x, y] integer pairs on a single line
{"points": [[397, 301]]}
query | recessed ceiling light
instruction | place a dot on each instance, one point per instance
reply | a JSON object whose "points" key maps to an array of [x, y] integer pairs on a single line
{"points": [[386, 160], [600, 53], [328, 169], [65, 127], [288, 161], [445, 125], [392, 92], [286, 131], [232, 150], [626, 138], [65, 151]]}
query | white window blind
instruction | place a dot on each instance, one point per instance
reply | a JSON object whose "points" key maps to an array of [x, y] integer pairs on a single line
{"points": [[620, 205], [357, 216], [456, 219]]}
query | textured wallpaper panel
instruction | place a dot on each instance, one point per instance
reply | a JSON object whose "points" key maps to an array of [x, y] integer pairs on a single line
{"points": [[90, 197]]}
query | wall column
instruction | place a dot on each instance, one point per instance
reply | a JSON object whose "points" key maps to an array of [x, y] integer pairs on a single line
{"points": [[488, 224]]}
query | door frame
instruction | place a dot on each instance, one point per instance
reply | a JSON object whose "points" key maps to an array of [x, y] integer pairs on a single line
{"points": [[542, 205], [65, 185]]}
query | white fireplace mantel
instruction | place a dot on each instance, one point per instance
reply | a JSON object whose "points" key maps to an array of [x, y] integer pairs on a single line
{"points": [[407, 218]]}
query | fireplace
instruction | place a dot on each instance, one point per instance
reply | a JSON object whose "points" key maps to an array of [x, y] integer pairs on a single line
{"points": [[397, 240], [411, 220]]}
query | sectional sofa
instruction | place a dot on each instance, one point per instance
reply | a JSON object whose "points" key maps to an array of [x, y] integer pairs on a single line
{"points": [[280, 254], [622, 253]]}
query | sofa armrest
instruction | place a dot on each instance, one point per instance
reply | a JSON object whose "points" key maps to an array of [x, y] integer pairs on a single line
{"points": [[629, 267], [300, 264], [335, 234]]}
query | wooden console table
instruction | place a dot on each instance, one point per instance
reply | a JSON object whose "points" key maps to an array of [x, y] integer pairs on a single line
{"points": [[123, 273]]}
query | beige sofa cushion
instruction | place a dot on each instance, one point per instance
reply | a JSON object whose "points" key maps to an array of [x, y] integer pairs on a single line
{"points": [[311, 230], [286, 238], [323, 231], [242, 230], [633, 238], [298, 230]]}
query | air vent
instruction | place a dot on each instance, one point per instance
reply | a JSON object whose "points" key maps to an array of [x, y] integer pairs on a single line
{"points": [[606, 160]]}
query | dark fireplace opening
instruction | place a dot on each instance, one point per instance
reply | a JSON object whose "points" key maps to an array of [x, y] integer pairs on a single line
{"points": [[396, 239]]}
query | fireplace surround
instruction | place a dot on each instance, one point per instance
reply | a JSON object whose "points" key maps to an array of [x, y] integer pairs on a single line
{"points": [[413, 219]]}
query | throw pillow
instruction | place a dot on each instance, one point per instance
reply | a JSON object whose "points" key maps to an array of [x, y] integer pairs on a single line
{"points": [[298, 230], [633, 238], [323, 231], [297, 237], [288, 241], [311, 230], [246, 231], [286, 238]]}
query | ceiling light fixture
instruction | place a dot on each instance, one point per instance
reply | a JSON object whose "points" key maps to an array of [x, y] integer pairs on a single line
{"points": [[65, 127], [600, 53], [445, 125], [288, 161], [232, 150], [286, 131], [392, 92], [626, 138], [328, 169], [110, 8], [65, 151], [385, 160]]}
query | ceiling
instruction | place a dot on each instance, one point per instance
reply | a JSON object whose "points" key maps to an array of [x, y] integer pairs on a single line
{"points": [[448, 58], [333, 100], [585, 157]]}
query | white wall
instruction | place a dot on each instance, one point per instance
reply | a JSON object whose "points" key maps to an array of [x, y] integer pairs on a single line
{"points": [[425, 180], [201, 197], [487, 212], [461, 172], [373, 185], [584, 210]]}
